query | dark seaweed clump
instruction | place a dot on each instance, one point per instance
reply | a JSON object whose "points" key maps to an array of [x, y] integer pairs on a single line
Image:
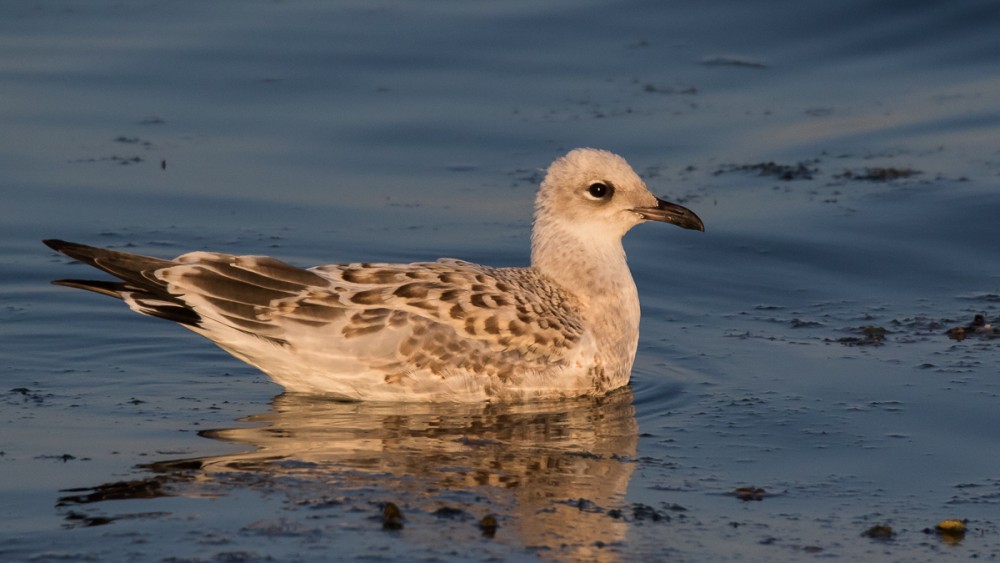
{"points": [[787, 172], [877, 174], [869, 336]]}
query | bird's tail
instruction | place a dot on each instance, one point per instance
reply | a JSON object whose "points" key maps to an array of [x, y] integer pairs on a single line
{"points": [[139, 285]]}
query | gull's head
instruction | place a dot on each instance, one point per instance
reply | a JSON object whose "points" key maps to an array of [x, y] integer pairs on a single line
{"points": [[596, 192]]}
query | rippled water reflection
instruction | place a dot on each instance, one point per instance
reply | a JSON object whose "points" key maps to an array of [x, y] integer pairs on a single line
{"points": [[554, 475]]}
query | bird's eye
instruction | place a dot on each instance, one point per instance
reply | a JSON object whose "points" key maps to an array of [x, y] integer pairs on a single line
{"points": [[599, 190]]}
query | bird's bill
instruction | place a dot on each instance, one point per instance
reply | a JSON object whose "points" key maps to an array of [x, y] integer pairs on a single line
{"points": [[667, 212]]}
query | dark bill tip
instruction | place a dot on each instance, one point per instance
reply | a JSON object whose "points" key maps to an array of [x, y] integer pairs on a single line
{"points": [[667, 212]]}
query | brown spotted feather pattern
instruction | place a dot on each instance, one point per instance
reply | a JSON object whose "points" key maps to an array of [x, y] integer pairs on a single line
{"points": [[447, 318]]}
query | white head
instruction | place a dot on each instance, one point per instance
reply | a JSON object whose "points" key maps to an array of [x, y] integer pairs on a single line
{"points": [[593, 197]]}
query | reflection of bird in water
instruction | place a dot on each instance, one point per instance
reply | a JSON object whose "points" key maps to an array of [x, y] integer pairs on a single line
{"points": [[550, 472], [566, 326]]}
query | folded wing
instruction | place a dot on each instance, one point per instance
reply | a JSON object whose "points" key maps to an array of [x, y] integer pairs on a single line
{"points": [[399, 322]]}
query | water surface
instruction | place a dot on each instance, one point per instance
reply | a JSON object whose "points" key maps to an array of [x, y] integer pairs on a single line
{"points": [[843, 156]]}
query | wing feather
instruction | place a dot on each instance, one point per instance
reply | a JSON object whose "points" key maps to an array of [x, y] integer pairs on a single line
{"points": [[437, 318]]}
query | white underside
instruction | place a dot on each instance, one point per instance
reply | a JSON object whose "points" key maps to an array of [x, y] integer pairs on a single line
{"points": [[339, 375]]}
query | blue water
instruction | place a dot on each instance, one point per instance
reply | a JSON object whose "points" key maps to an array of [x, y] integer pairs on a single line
{"points": [[392, 131]]}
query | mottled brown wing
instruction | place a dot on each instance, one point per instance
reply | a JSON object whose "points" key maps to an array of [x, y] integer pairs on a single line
{"points": [[441, 317], [452, 315]]}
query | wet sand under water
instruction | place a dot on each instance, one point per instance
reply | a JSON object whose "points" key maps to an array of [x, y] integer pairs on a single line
{"points": [[794, 388]]}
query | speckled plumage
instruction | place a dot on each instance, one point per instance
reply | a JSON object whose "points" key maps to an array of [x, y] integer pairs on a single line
{"points": [[439, 331]]}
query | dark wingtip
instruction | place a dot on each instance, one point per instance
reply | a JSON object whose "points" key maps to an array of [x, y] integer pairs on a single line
{"points": [[111, 289], [65, 247], [55, 244], [81, 252]]}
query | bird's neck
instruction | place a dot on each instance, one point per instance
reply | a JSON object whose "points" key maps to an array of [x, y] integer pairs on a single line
{"points": [[590, 266], [593, 269]]}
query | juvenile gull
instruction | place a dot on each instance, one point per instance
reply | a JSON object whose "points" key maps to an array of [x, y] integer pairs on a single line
{"points": [[568, 325]]}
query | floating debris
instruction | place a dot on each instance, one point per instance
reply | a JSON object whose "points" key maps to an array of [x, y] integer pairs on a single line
{"points": [[123, 160], [645, 512], [801, 171], [988, 297], [729, 60], [392, 517], [81, 520], [750, 493], [28, 395], [877, 174], [642, 512], [651, 88], [870, 336], [582, 504], [978, 327], [86, 521], [879, 532], [488, 526], [952, 526], [450, 513], [62, 457], [133, 141], [120, 490], [951, 531]]}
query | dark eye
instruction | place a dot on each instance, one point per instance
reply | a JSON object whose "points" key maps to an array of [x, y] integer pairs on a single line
{"points": [[599, 190]]}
